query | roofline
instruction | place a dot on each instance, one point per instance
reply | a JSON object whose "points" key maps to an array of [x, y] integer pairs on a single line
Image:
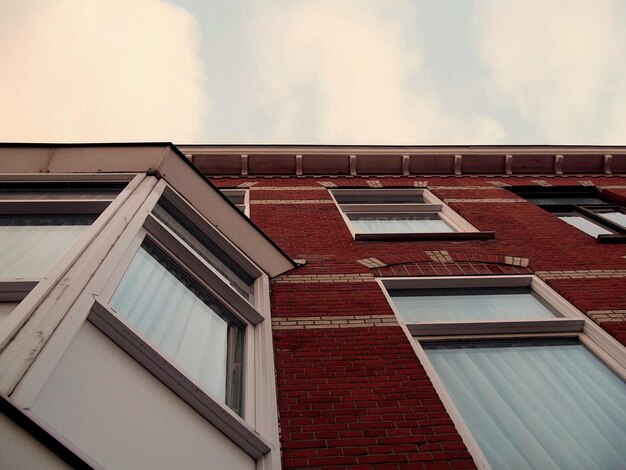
{"points": [[405, 160], [166, 146]]}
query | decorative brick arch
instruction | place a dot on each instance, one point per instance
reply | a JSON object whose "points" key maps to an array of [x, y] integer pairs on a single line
{"points": [[443, 263]]}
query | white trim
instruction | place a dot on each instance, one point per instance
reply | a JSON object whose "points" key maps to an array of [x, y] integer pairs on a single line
{"points": [[242, 192], [494, 327], [211, 231], [152, 359], [431, 205], [47, 318], [20, 315]]}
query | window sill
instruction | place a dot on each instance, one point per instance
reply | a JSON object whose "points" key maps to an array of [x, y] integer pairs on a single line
{"points": [[214, 412], [616, 238], [496, 327], [425, 236]]}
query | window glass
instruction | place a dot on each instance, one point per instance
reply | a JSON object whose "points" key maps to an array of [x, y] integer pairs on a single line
{"points": [[218, 261], [184, 322], [615, 216], [585, 225], [237, 197], [30, 245], [60, 190], [475, 304], [531, 405], [565, 200], [390, 223], [378, 197]]}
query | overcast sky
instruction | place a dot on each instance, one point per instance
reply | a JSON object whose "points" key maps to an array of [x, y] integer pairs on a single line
{"points": [[314, 71]]}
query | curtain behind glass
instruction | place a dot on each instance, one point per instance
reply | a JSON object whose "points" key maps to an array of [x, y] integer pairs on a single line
{"points": [[30, 245], [462, 305], [399, 224], [191, 331], [615, 216], [220, 262], [537, 405]]}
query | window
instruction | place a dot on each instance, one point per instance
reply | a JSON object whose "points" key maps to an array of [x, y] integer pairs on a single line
{"points": [[220, 262], [582, 207], [30, 245], [40, 222], [185, 308], [239, 197], [518, 370], [401, 214], [187, 324]]}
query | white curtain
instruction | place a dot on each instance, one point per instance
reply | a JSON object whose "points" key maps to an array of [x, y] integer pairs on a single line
{"points": [[465, 307], [539, 406], [617, 217], [29, 247], [399, 225], [171, 316]]}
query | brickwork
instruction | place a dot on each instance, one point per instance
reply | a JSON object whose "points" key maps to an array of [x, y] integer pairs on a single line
{"points": [[352, 393], [358, 398], [335, 321]]}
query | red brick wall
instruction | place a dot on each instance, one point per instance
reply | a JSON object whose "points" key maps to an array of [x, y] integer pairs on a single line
{"points": [[357, 397]]}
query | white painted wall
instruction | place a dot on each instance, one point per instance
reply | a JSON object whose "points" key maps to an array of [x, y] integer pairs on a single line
{"points": [[116, 412], [20, 451]]}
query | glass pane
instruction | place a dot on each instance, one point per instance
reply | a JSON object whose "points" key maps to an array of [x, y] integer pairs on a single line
{"points": [[469, 305], [585, 225], [566, 200], [60, 190], [549, 405], [615, 216], [186, 324], [220, 262], [426, 223], [236, 197], [30, 245], [379, 198]]}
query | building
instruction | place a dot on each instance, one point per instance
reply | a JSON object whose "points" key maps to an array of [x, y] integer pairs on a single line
{"points": [[381, 307]]}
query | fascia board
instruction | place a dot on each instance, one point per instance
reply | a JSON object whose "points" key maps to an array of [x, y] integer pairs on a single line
{"points": [[190, 183]]}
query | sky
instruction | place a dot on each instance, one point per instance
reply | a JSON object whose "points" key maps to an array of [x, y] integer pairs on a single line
{"points": [[398, 72]]}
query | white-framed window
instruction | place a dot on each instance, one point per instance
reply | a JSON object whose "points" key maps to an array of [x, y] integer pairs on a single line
{"points": [[184, 303], [240, 197], [372, 214], [529, 381], [40, 221]]}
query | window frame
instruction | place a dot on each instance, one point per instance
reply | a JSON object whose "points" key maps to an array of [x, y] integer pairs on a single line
{"points": [[570, 323], [59, 203], [591, 212], [461, 229], [240, 429], [238, 192]]}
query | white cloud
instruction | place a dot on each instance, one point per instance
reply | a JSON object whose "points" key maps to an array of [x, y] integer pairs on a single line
{"points": [[352, 72], [561, 63], [100, 70]]}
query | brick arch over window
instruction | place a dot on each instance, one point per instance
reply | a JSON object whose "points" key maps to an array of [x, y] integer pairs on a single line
{"points": [[443, 263]]}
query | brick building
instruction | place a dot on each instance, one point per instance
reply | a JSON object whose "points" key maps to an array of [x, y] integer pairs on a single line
{"points": [[419, 307]]}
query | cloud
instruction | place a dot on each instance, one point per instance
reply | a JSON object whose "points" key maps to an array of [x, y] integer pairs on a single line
{"points": [[352, 72], [560, 63], [100, 70]]}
